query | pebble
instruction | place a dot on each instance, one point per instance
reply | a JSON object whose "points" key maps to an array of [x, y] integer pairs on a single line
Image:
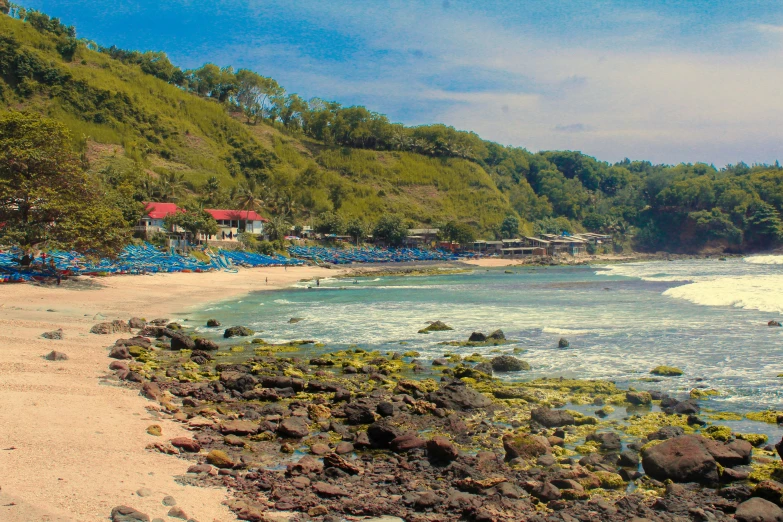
{"points": [[144, 492], [168, 500]]}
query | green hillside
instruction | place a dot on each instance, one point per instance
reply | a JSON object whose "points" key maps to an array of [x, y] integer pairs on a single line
{"points": [[219, 137]]}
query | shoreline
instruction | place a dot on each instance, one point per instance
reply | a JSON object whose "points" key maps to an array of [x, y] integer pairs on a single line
{"points": [[79, 443]]}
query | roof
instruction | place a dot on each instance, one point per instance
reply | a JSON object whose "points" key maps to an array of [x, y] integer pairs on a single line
{"points": [[538, 240], [423, 231], [235, 215], [157, 210]]}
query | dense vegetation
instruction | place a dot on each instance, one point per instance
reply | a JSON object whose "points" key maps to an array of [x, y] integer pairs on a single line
{"points": [[219, 137]]}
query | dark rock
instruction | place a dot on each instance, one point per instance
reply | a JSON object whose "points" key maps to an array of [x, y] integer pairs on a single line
{"points": [[357, 413], [239, 427], [552, 418], [779, 448], [666, 433], [758, 510], [774, 323], [343, 448], [507, 363], [200, 357], [525, 445], [440, 362], [120, 352], [497, 335], [186, 444], [681, 459], [205, 345], [771, 490], [237, 331], [380, 434], [118, 365], [609, 441], [405, 443], [334, 460], [112, 327], [295, 320], [212, 323], [436, 326], [546, 492], [441, 449], [484, 367], [477, 337], [169, 501], [137, 323], [178, 512], [563, 343], [283, 382], [182, 342], [55, 335], [294, 427], [693, 420], [458, 396], [238, 381], [629, 459], [689, 407], [55, 356], [385, 409], [128, 514], [151, 391], [327, 490]]}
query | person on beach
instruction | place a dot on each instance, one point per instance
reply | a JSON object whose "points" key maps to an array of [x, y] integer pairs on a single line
{"points": [[266, 280], [317, 282]]}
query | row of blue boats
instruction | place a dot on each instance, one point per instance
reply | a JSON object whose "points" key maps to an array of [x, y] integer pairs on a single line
{"points": [[369, 255]]}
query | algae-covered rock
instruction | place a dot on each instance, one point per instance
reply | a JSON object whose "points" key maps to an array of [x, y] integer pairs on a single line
{"points": [[699, 393], [666, 371], [552, 418], [563, 343], [610, 480], [220, 459], [237, 331], [508, 363], [681, 459], [756, 439], [721, 433], [436, 326], [638, 398], [525, 445], [212, 323], [769, 416]]}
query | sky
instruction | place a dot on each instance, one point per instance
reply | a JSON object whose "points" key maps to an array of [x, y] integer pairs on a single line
{"points": [[661, 80]]}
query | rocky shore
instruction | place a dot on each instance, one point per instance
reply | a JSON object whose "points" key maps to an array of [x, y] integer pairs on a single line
{"points": [[299, 432]]}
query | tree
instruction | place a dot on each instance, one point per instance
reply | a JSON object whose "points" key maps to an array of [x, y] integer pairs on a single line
{"points": [[194, 221], [764, 225], [390, 229], [45, 197], [510, 227], [248, 196], [357, 229], [461, 233], [329, 223], [277, 228]]}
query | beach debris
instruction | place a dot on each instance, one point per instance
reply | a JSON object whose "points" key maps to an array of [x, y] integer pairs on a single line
{"points": [[237, 331], [54, 355], [112, 327], [563, 343], [55, 335], [508, 363], [212, 323]]}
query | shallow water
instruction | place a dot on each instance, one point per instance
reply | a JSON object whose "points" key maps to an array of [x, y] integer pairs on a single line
{"points": [[708, 318]]}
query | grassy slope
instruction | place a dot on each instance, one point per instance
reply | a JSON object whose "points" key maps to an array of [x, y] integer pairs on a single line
{"points": [[167, 130]]}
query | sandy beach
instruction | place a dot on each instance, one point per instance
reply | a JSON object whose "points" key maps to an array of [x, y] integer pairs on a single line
{"points": [[71, 446]]}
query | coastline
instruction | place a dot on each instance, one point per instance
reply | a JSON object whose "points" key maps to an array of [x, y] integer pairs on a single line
{"points": [[78, 443]]}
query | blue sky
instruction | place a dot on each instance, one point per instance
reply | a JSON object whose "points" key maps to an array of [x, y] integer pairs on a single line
{"points": [[663, 80]]}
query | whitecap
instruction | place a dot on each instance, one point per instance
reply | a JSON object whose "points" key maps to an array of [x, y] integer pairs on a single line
{"points": [[764, 260], [565, 331], [761, 293]]}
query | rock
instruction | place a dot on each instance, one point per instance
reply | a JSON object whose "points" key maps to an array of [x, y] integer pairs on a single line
{"points": [[687, 407], [771, 490], [295, 320], [758, 510], [436, 326], [137, 323], [115, 326], [155, 430], [55, 335], [552, 418], [507, 363], [334, 460], [774, 323], [426, 500], [239, 427], [186, 444], [128, 514], [144, 492], [440, 362], [546, 492], [666, 433], [380, 434], [120, 352], [319, 449], [563, 343], [169, 501], [484, 367], [358, 414], [206, 345], [328, 490], [182, 342], [497, 335], [178, 512], [458, 396], [638, 398], [525, 445], [55, 356], [200, 357], [405, 443], [441, 450], [294, 427], [681, 459], [477, 337], [238, 381], [237, 331], [212, 323], [343, 448], [151, 391], [609, 441], [385, 409], [666, 371], [220, 459]]}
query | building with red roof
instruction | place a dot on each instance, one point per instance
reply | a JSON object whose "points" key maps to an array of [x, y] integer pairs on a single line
{"points": [[230, 222]]}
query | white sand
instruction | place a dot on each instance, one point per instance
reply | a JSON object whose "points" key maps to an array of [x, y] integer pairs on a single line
{"points": [[79, 445]]}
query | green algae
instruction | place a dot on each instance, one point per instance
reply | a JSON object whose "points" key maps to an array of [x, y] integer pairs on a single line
{"points": [[699, 394], [643, 425], [755, 439], [666, 371], [768, 416], [721, 433]]}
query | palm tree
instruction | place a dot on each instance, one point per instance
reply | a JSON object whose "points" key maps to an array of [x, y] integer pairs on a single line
{"points": [[248, 196], [277, 227]]}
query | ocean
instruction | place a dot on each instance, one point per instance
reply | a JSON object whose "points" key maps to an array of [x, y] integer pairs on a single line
{"points": [[706, 317]]}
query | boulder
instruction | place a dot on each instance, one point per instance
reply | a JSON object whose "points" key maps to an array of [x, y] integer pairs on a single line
{"points": [[725, 455], [200, 357], [293, 427], [115, 326], [552, 418], [436, 326], [497, 335], [441, 449], [137, 323], [771, 490], [55, 335], [477, 337], [563, 343], [357, 413], [54, 355], [638, 398], [758, 510], [212, 323], [220, 459], [238, 381], [458, 396], [128, 514], [182, 342], [666, 433], [688, 407], [774, 323], [440, 362], [525, 445], [237, 331], [151, 391], [380, 434], [239, 427], [609, 441], [681, 459], [206, 345], [507, 363], [186, 444], [385, 409], [406, 442]]}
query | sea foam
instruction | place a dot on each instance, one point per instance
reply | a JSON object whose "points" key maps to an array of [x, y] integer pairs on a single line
{"points": [[764, 260], [761, 293]]}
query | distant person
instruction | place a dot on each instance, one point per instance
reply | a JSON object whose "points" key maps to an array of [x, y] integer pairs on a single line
{"points": [[317, 282], [266, 280], [26, 260]]}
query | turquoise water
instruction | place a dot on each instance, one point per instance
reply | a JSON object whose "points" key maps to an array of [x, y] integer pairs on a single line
{"points": [[621, 321]]}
